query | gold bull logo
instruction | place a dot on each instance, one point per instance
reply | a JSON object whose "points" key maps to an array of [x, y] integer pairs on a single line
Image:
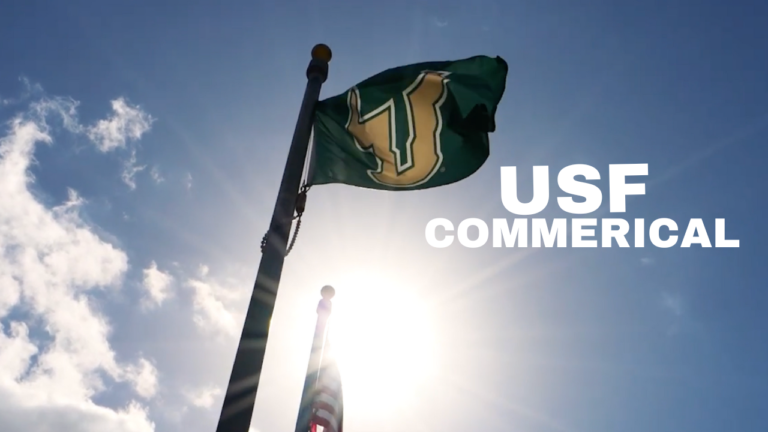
{"points": [[419, 157]]}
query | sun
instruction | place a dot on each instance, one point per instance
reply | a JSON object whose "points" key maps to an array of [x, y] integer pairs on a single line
{"points": [[383, 339]]}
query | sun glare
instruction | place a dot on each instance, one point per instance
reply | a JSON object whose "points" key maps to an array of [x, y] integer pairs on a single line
{"points": [[382, 337]]}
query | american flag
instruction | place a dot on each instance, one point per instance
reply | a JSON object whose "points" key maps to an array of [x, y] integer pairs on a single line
{"points": [[328, 405]]}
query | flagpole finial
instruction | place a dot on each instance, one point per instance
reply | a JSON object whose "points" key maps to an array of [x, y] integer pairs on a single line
{"points": [[322, 52], [327, 292]]}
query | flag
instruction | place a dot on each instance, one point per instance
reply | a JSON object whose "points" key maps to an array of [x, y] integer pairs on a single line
{"points": [[328, 404], [411, 127]]}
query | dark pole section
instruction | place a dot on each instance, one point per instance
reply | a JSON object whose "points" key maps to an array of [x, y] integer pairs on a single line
{"points": [[324, 309], [240, 397]]}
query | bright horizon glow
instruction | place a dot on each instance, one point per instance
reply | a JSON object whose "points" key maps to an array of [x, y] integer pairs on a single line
{"points": [[383, 339]]}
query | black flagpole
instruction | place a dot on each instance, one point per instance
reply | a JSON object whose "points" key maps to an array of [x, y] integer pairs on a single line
{"points": [[239, 399]]}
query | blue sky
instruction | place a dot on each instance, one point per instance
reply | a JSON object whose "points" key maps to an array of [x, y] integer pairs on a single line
{"points": [[120, 311]]}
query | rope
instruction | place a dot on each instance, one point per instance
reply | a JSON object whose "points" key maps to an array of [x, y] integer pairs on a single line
{"points": [[301, 199], [295, 236], [301, 202]]}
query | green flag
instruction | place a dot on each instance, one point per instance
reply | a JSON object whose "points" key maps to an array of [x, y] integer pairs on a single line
{"points": [[412, 127]]}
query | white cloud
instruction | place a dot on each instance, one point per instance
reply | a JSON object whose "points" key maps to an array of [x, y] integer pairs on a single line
{"points": [[188, 181], [29, 90], [51, 262], [64, 108], [647, 261], [673, 303], [157, 285], [130, 169], [679, 320], [216, 304], [144, 378], [156, 176], [127, 123], [28, 412], [203, 397], [438, 22]]}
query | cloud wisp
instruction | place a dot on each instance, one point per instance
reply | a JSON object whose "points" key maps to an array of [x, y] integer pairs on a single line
{"points": [[157, 285], [204, 397], [126, 124], [130, 169], [119, 131], [215, 305], [156, 176]]}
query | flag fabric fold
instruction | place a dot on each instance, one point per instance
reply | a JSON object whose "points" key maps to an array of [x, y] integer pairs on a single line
{"points": [[412, 127]]}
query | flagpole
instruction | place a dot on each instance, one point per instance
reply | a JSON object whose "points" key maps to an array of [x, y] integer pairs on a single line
{"points": [[237, 409], [324, 309]]}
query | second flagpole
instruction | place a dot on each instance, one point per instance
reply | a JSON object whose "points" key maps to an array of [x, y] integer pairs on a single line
{"points": [[237, 409], [324, 309]]}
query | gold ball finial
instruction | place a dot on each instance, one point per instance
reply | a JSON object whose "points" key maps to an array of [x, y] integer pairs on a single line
{"points": [[322, 52], [327, 292]]}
